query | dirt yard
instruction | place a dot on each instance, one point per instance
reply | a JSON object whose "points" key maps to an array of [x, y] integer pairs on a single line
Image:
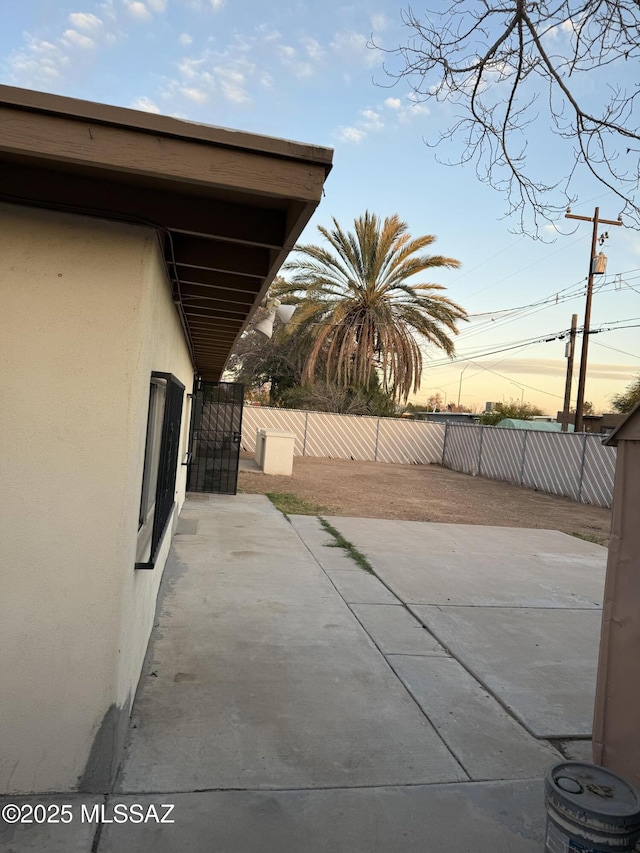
{"points": [[428, 493]]}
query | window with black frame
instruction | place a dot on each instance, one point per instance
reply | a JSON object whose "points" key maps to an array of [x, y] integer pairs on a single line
{"points": [[157, 497]]}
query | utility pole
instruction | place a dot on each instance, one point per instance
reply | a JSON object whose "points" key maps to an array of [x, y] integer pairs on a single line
{"points": [[587, 313], [571, 347]]}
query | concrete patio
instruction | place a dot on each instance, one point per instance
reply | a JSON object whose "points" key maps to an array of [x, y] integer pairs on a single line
{"points": [[293, 702]]}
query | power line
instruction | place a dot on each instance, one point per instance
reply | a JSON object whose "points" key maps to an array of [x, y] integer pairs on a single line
{"points": [[523, 311], [615, 349], [577, 291], [540, 340]]}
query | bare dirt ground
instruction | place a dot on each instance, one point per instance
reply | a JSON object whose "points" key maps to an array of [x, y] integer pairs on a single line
{"points": [[428, 493]]}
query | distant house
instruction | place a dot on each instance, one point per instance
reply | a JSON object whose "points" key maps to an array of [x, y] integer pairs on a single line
{"points": [[539, 425], [134, 250], [603, 424], [448, 417]]}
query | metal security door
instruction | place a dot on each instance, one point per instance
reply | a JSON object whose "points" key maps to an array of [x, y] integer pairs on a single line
{"points": [[216, 427]]}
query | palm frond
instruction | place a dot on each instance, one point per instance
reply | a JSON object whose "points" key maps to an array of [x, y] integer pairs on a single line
{"points": [[360, 309]]}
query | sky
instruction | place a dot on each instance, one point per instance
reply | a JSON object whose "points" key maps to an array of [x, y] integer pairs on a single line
{"points": [[308, 72]]}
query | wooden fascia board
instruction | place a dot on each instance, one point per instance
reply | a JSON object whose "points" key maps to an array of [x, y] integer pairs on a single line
{"points": [[143, 122], [124, 150]]}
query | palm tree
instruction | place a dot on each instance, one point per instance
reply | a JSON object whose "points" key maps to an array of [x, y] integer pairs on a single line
{"points": [[364, 316]]}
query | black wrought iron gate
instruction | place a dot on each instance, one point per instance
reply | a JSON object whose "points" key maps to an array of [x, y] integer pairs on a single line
{"points": [[216, 426]]}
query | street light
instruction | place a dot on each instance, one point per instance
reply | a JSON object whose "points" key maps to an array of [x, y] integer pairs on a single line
{"points": [[461, 375]]}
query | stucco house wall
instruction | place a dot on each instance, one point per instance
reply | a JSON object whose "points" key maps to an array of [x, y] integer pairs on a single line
{"points": [[87, 316]]}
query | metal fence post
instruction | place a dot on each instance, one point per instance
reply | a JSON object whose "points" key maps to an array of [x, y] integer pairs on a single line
{"points": [[482, 429], [582, 461], [375, 451], [524, 456], [304, 441], [444, 443]]}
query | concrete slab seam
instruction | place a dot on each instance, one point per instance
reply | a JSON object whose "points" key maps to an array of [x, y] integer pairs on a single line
{"points": [[442, 607], [384, 657], [98, 833], [507, 708], [313, 789], [510, 711]]}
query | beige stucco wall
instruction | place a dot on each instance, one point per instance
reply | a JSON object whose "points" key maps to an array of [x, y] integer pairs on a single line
{"points": [[86, 316]]}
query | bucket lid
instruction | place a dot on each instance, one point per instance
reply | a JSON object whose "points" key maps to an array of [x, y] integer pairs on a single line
{"points": [[595, 792]]}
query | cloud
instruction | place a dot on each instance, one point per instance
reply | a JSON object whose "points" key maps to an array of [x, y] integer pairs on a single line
{"points": [[266, 34], [185, 39], [215, 76], [314, 50], [216, 5], [38, 63], [145, 10], [406, 109], [289, 57], [553, 367], [138, 10], [85, 21], [232, 80], [379, 22], [352, 46], [145, 104], [196, 95], [371, 120], [73, 37], [563, 30], [350, 134], [403, 110]]}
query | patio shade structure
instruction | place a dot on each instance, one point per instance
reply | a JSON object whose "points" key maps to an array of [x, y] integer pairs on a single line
{"points": [[227, 206]]}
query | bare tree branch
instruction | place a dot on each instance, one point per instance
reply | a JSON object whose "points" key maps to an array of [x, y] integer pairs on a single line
{"points": [[491, 60]]}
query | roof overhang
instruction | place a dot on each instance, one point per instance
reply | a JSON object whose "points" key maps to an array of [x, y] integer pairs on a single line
{"points": [[228, 206], [627, 430]]}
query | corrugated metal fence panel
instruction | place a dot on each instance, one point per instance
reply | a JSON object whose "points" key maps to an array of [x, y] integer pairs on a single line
{"points": [[462, 448], [217, 417], [262, 417], [599, 472], [502, 454], [553, 462], [410, 442], [341, 436]]}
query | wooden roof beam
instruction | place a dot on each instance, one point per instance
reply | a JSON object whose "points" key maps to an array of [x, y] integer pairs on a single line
{"points": [[189, 251]]}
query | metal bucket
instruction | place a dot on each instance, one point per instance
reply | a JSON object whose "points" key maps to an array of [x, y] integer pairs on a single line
{"points": [[590, 810]]}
